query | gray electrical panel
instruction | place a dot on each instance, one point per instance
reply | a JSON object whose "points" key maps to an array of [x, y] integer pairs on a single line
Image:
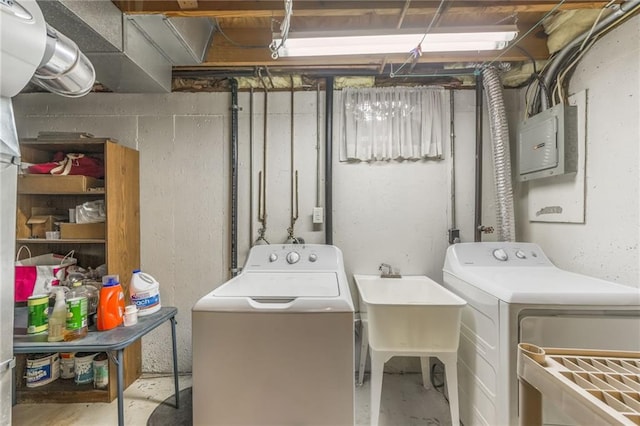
{"points": [[547, 143]]}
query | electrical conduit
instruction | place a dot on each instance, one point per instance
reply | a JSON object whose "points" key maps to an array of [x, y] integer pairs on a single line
{"points": [[553, 68]]}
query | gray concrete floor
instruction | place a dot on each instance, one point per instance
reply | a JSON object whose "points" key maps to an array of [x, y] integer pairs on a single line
{"points": [[404, 403]]}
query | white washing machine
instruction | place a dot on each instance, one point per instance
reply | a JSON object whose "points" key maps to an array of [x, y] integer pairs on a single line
{"points": [[275, 344], [515, 294]]}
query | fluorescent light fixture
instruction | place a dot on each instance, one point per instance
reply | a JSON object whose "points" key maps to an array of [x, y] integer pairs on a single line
{"points": [[365, 42]]}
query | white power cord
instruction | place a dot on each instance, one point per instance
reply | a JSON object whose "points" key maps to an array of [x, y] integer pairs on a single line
{"points": [[284, 29]]}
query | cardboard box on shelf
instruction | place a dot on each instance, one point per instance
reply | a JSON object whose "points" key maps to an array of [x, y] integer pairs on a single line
{"points": [[43, 184], [82, 231], [42, 220]]}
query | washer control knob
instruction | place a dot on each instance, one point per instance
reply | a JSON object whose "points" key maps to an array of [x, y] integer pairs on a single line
{"points": [[313, 257], [293, 257], [273, 257], [520, 254], [501, 255]]}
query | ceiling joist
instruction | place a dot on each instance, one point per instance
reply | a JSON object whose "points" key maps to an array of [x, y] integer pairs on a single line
{"points": [[253, 9]]}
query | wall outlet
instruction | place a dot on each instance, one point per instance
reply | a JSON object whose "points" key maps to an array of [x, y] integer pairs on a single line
{"points": [[318, 215]]}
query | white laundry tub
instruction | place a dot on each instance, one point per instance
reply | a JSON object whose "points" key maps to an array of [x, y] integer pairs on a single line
{"points": [[410, 314]]}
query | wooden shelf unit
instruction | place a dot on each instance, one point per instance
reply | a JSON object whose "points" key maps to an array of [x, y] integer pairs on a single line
{"points": [[119, 250]]}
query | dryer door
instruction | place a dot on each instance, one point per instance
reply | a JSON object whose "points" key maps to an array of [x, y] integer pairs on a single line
{"points": [[582, 331]]}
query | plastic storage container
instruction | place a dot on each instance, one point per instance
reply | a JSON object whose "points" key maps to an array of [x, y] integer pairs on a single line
{"points": [[130, 315], [111, 303], [145, 293]]}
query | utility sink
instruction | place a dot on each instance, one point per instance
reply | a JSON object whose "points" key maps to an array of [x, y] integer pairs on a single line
{"points": [[409, 314]]}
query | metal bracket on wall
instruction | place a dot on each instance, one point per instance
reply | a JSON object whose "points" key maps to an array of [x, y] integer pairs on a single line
{"points": [[454, 236], [7, 364]]}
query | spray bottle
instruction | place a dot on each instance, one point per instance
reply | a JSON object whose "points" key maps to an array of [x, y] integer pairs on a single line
{"points": [[58, 318]]}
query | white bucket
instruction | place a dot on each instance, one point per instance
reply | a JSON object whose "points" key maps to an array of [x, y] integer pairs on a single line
{"points": [[145, 294], [83, 368], [101, 371], [42, 369], [67, 365]]}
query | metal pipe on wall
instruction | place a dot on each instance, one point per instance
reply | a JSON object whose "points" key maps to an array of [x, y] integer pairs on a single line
{"points": [[318, 160], [452, 139], [251, 167], [477, 225], [233, 83], [454, 232], [328, 163]]}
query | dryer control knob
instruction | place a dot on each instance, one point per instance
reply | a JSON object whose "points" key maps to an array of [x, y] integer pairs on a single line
{"points": [[501, 255], [293, 257], [273, 257], [313, 257], [520, 254]]}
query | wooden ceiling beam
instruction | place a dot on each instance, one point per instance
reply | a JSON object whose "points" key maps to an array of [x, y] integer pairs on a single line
{"points": [[253, 9], [188, 4], [224, 54]]}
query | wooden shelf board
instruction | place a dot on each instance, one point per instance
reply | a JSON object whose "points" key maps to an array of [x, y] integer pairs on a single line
{"points": [[97, 193], [61, 391], [67, 241]]}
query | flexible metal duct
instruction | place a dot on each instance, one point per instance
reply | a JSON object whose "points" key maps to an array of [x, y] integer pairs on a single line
{"points": [[501, 156]]}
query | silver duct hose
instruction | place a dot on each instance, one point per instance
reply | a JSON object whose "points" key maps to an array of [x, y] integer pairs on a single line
{"points": [[501, 156]]}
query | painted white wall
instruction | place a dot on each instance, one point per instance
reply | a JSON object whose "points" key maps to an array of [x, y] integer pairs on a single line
{"points": [[184, 147], [183, 144], [606, 245], [383, 212], [397, 213]]}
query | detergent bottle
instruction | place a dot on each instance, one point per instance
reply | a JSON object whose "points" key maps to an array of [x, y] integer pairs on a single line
{"points": [[144, 293], [110, 304]]}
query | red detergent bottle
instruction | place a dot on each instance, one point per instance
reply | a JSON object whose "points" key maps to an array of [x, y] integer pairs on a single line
{"points": [[110, 304]]}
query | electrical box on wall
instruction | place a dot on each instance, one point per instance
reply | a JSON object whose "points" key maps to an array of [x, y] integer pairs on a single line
{"points": [[547, 143]]}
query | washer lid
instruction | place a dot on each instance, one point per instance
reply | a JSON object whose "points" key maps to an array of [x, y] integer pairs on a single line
{"points": [[547, 285], [281, 285]]}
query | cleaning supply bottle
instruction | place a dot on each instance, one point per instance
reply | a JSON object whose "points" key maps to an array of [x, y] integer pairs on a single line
{"points": [[79, 289], [76, 324], [58, 318], [144, 293], [110, 304]]}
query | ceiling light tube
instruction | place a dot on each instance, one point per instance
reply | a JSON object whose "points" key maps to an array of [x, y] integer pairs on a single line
{"points": [[399, 41]]}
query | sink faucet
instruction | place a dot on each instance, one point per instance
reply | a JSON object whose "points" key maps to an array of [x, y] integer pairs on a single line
{"points": [[387, 271]]}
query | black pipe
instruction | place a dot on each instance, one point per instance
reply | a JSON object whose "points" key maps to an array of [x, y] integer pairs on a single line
{"points": [[222, 73], [233, 83], [328, 161], [478, 207]]}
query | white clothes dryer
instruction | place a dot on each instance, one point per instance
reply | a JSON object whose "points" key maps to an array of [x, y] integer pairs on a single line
{"points": [[515, 294], [275, 344]]}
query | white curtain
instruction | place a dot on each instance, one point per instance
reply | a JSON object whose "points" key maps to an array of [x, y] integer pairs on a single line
{"points": [[399, 123]]}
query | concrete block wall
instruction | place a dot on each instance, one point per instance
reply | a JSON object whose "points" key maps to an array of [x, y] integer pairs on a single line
{"points": [[607, 244], [392, 212], [183, 144]]}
